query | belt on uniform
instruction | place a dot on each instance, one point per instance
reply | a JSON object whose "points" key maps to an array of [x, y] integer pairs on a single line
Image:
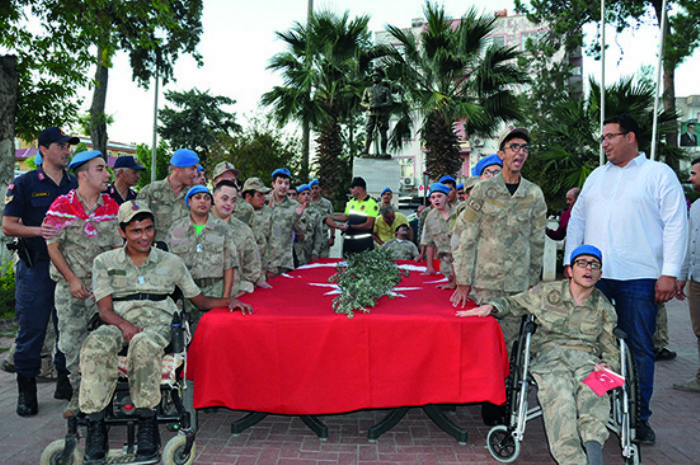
{"points": [[206, 282], [358, 236], [152, 297]]}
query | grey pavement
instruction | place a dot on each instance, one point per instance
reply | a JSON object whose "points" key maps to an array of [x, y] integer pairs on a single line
{"points": [[281, 440]]}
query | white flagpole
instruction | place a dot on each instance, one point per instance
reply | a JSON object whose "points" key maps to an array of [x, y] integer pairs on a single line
{"points": [[601, 155], [659, 68]]}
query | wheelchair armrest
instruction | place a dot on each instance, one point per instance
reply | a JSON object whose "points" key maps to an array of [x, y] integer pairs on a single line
{"points": [[619, 333]]}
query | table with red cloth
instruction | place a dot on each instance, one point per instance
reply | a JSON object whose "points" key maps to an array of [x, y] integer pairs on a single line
{"points": [[294, 355]]}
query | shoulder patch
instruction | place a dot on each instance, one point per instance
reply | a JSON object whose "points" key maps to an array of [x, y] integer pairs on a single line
{"points": [[474, 205]]}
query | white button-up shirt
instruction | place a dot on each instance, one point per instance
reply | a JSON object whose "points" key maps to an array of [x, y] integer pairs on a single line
{"points": [[636, 215]]}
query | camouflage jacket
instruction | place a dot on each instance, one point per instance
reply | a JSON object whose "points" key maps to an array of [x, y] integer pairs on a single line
{"points": [[166, 207]]}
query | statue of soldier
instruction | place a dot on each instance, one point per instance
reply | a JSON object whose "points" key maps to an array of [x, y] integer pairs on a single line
{"points": [[377, 101]]}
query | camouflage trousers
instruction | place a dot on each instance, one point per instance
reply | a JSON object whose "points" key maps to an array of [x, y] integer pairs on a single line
{"points": [[573, 414], [99, 361], [212, 289], [73, 317], [661, 333], [510, 324]]}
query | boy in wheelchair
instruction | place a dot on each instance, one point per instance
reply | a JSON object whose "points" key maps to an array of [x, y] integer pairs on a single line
{"points": [[574, 337], [132, 287]]}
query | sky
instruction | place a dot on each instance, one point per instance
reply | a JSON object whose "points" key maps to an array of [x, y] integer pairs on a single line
{"points": [[239, 39]]}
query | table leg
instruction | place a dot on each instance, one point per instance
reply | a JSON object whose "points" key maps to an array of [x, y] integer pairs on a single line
{"points": [[315, 425], [438, 416], [238, 426], [386, 423]]}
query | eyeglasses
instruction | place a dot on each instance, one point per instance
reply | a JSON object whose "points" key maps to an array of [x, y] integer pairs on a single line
{"points": [[583, 264], [610, 136], [491, 173], [515, 147]]}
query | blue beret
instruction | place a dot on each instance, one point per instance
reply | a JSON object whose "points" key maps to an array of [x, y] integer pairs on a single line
{"points": [[439, 187], [83, 157], [460, 186], [586, 249], [183, 158], [38, 159], [281, 172], [387, 189], [304, 187], [200, 168], [447, 178], [313, 183], [486, 161], [195, 190]]}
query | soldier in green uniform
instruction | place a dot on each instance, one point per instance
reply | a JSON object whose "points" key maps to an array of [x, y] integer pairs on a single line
{"points": [[285, 214], [254, 193], [166, 198], [225, 171], [325, 209], [309, 238], [437, 230], [132, 287], [574, 337], [206, 245], [86, 224], [250, 264], [402, 247]]}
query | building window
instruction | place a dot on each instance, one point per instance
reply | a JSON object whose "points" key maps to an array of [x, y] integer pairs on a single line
{"points": [[486, 42]]}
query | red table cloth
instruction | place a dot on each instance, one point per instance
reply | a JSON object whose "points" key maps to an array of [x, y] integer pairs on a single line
{"points": [[295, 355]]}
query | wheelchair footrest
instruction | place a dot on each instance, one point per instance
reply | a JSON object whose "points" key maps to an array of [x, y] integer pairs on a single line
{"points": [[117, 457]]}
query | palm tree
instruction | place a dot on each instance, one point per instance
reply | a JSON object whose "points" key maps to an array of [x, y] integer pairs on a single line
{"points": [[449, 77], [321, 83]]}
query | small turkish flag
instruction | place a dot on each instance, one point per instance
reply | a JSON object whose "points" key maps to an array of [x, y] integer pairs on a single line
{"points": [[604, 380]]}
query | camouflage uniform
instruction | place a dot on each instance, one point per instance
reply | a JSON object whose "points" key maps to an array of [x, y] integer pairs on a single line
{"points": [[262, 228], [325, 209], [501, 246], [570, 339], [250, 263], [309, 225], [79, 250], [437, 233], [401, 250], [284, 219], [421, 220], [166, 207], [244, 212], [206, 256], [115, 274]]}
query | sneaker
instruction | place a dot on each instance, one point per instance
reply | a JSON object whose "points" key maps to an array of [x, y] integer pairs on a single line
{"points": [[645, 435], [691, 385], [664, 354]]}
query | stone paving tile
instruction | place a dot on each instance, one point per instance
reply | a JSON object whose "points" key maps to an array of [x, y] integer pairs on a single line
{"points": [[281, 440]]}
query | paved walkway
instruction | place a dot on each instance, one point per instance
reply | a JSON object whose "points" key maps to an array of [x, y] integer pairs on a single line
{"points": [[279, 440]]}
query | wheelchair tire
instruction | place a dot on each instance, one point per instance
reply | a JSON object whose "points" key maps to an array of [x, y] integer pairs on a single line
{"points": [[52, 454], [634, 393], [172, 452], [501, 444]]}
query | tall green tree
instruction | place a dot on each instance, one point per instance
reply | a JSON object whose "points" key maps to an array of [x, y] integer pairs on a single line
{"points": [[323, 70], [196, 121], [566, 145], [569, 16], [144, 154], [448, 77]]}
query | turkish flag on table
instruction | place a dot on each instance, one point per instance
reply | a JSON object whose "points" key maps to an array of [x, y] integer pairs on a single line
{"points": [[294, 355]]}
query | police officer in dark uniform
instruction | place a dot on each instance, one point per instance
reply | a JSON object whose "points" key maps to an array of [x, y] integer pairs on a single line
{"points": [[126, 175], [27, 200]]}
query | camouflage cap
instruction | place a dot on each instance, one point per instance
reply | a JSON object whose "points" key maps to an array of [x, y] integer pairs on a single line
{"points": [[130, 209], [223, 167], [255, 184]]}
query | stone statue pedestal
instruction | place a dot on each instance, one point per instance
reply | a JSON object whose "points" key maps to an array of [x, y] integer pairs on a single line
{"points": [[379, 174]]}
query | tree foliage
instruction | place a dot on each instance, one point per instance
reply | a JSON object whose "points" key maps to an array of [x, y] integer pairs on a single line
{"points": [[445, 77], [257, 151], [197, 120], [144, 155]]}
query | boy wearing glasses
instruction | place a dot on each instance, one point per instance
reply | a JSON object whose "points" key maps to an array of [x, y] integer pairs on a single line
{"points": [[574, 337]]}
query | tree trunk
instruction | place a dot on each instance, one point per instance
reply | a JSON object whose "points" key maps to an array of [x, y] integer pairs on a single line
{"points": [[305, 150], [8, 104], [98, 126]]}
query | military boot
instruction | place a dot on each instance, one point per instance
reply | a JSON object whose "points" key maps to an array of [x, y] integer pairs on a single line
{"points": [[96, 444], [27, 404], [63, 391], [148, 436]]}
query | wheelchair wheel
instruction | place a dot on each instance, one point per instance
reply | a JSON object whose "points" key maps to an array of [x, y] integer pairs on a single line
{"points": [[633, 389], [173, 452], [53, 452], [501, 444]]}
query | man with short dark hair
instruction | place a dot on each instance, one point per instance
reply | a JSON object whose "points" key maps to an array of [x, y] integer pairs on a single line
{"points": [[560, 233], [132, 287], [126, 175], [254, 191], [634, 210], [285, 214], [360, 214], [166, 198], [26, 202], [325, 210], [689, 138], [401, 247]]}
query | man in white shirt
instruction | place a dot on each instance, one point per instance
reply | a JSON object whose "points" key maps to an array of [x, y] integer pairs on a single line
{"points": [[634, 210]]}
